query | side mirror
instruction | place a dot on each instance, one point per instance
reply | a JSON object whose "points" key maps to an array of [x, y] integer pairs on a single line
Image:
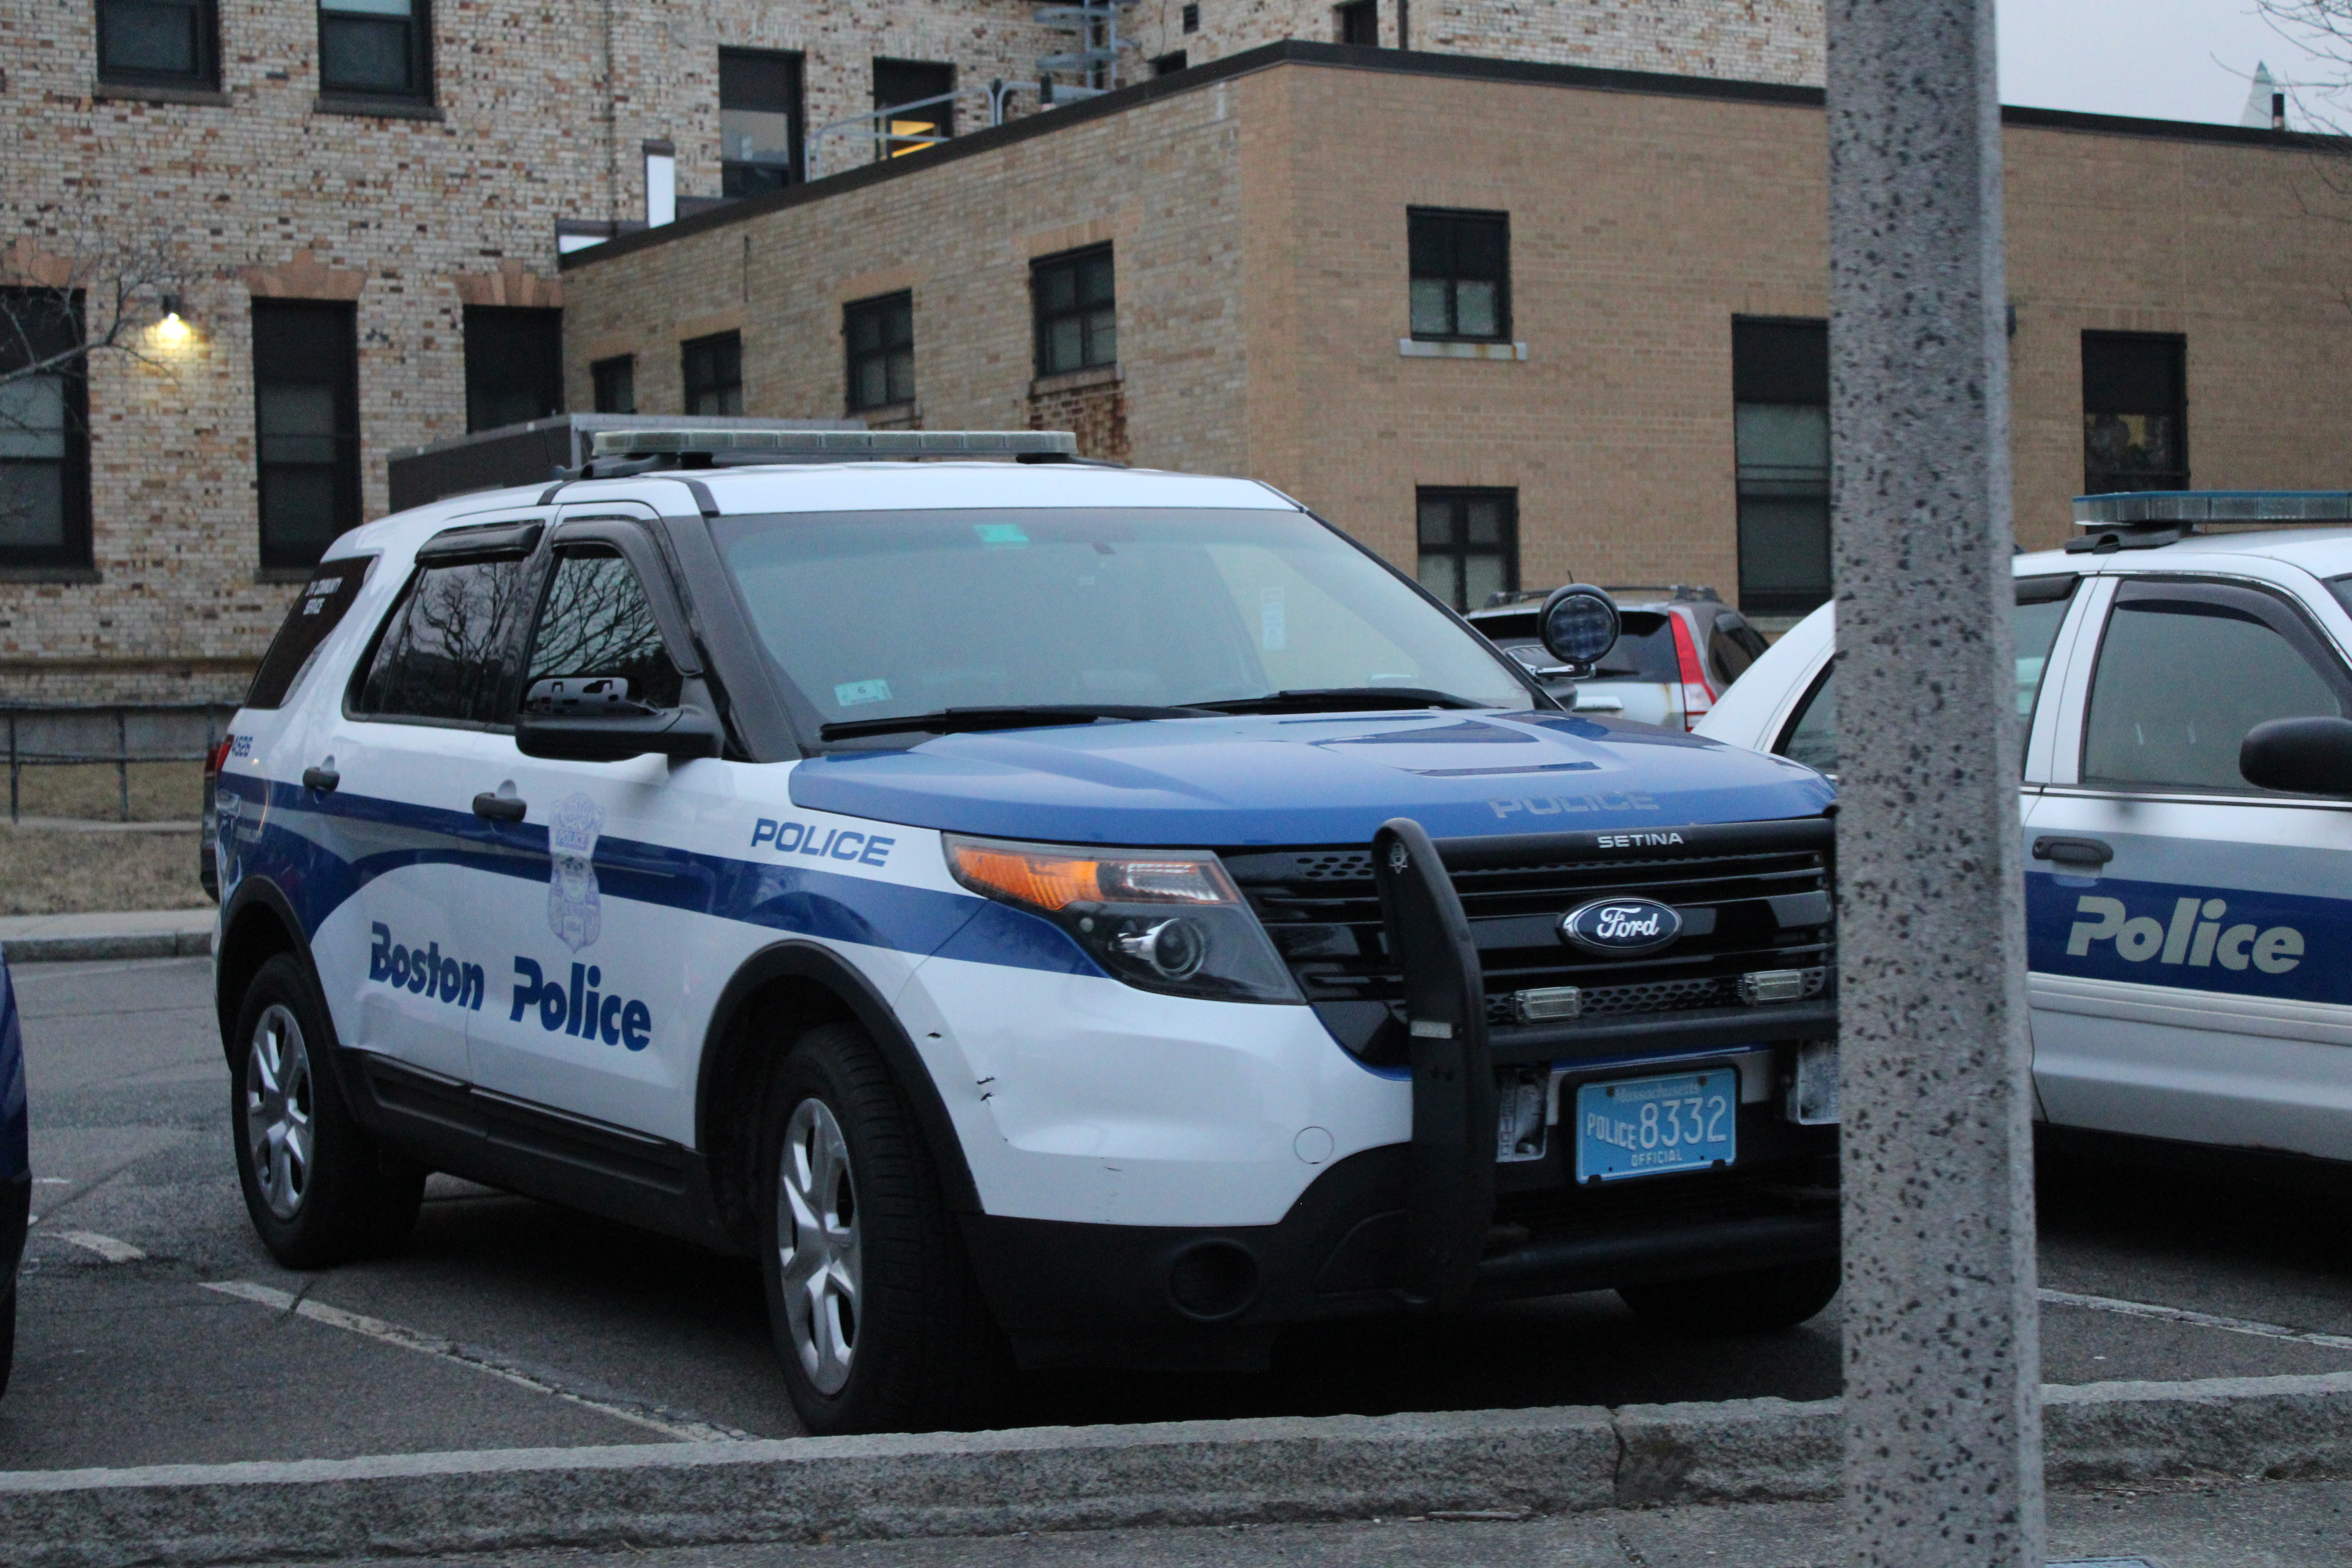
{"points": [[592, 719], [1579, 625], [2302, 756]]}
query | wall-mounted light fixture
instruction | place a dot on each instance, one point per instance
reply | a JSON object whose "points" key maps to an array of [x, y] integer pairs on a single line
{"points": [[174, 328]]}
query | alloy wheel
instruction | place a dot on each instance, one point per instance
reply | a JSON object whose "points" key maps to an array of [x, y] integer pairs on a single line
{"points": [[817, 1245], [280, 1099]]}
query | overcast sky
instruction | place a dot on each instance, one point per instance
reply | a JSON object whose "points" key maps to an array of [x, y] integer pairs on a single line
{"points": [[2166, 59]]}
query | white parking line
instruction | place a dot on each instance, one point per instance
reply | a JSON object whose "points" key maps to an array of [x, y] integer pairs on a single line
{"points": [[685, 1429], [106, 1246], [2197, 1320]]}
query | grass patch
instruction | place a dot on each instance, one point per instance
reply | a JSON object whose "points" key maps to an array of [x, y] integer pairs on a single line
{"points": [[159, 791], [49, 873]]}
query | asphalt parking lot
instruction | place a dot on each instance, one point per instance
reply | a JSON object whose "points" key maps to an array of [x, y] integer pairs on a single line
{"points": [[155, 1329]]}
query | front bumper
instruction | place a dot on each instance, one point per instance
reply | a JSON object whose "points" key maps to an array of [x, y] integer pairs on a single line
{"points": [[1168, 1298], [1422, 1224]]}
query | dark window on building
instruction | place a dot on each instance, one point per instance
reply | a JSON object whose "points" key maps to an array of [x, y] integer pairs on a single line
{"points": [[2135, 412], [173, 43], [616, 384], [713, 370], [1461, 274], [1469, 544], [1191, 18], [760, 123], [1078, 317], [881, 338], [446, 653], [375, 48], [44, 432], [1780, 423], [897, 83], [1359, 22], [1168, 64], [514, 365], [305, 396]]}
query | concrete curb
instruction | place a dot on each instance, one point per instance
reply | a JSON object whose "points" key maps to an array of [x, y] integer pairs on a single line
{"points": [[58, 939], [1207, 1472]]}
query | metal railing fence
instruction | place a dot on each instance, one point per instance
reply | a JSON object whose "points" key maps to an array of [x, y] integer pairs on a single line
{"points": [[56, 735]]}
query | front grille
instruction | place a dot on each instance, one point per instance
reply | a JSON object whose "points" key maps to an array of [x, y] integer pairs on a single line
{"points": [[1657, 996], [1758, 904]]}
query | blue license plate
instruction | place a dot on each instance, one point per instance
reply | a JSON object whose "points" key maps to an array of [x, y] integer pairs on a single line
{"points": [[1654, 1126]]}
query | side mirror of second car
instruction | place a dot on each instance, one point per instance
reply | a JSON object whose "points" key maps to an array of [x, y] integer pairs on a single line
{"points": [[593, 719], [2301, 756], [1579, 625]]}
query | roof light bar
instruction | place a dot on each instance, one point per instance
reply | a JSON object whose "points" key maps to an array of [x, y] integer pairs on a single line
{"points": [[834, 444], [2148, 520], [2166, 508]]}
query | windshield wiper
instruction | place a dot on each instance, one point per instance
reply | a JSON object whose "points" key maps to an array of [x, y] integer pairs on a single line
{"points": [[1344, 700], [1027, 716]]}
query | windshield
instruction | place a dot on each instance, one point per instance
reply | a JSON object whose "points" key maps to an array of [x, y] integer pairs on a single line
{"points": [[880, 615]]}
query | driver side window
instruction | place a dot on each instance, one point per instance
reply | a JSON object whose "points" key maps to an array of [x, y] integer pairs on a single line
{"points": [[2185, 671], [596, 627]]}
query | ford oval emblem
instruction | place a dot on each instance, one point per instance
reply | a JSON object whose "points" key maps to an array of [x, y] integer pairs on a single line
{"points": [[1621, 928]]}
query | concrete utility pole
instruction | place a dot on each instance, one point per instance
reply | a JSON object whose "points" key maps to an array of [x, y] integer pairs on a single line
{"points": [[1942, 1445]]}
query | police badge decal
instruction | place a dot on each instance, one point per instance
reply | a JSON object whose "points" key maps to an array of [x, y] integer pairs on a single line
{"points": [[575, 912]]}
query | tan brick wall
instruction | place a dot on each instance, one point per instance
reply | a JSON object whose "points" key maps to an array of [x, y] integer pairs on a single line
{"points": [[1156, 182], [1261, 234]]}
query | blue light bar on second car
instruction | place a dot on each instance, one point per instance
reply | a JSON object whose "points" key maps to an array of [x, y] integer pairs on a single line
{"points": [[2186, 508]]}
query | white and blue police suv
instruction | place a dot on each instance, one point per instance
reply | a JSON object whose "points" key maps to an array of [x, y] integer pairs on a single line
{"points": [[1047, 914], [2184, 699]]}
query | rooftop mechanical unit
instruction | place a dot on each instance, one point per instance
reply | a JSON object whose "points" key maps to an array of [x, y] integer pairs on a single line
{"points": [[536, 452]]}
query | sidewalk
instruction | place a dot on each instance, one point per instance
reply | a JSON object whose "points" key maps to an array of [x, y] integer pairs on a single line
{"points": [[2274, 1524], [143, 933]]}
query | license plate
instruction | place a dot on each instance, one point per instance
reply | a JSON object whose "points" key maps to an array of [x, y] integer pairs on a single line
{"points": [[1654, 1126]]}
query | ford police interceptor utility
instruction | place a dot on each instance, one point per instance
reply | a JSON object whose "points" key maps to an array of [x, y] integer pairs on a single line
{"points": [[2187, 813], [1048, 914]]}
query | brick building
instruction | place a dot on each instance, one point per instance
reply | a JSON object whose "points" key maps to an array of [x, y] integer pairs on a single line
{"points": [[1508, 321], [363, 203]]}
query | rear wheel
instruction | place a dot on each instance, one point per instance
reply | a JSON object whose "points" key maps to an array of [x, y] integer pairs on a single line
{"points": [[1760, 1301], [319, 1190], [871, 1300]]}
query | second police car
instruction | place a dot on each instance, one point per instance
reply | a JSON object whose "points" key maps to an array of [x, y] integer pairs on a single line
{"points": [[2185, 703], [1046, 914]]}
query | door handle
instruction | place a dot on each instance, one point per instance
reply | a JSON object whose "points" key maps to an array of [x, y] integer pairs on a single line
{"points": [[2073, 851], [499, 807], [323, 780]]}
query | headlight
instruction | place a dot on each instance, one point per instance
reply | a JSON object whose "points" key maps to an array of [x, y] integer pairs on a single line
{"points": [[1168, 919]]}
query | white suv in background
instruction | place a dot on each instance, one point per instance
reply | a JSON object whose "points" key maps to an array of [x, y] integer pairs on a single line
{"points": [[2186, 807]]}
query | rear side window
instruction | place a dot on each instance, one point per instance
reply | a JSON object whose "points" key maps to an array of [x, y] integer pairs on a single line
{"points": [[597, 625], [1732, 645], [319, 610], [447, 651]]}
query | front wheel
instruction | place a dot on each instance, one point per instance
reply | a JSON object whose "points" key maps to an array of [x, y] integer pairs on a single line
{"points": [[1759, 1301], [876, 1315], [319, 1190]]}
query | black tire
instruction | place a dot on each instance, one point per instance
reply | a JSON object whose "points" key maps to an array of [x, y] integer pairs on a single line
{"points": [[883, 1329], [8, 1337], [320, 1189], [1762, 1301]]}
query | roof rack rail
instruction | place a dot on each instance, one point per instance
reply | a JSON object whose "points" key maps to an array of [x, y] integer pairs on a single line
{"points": [[2145, 519], [686, 441]]}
